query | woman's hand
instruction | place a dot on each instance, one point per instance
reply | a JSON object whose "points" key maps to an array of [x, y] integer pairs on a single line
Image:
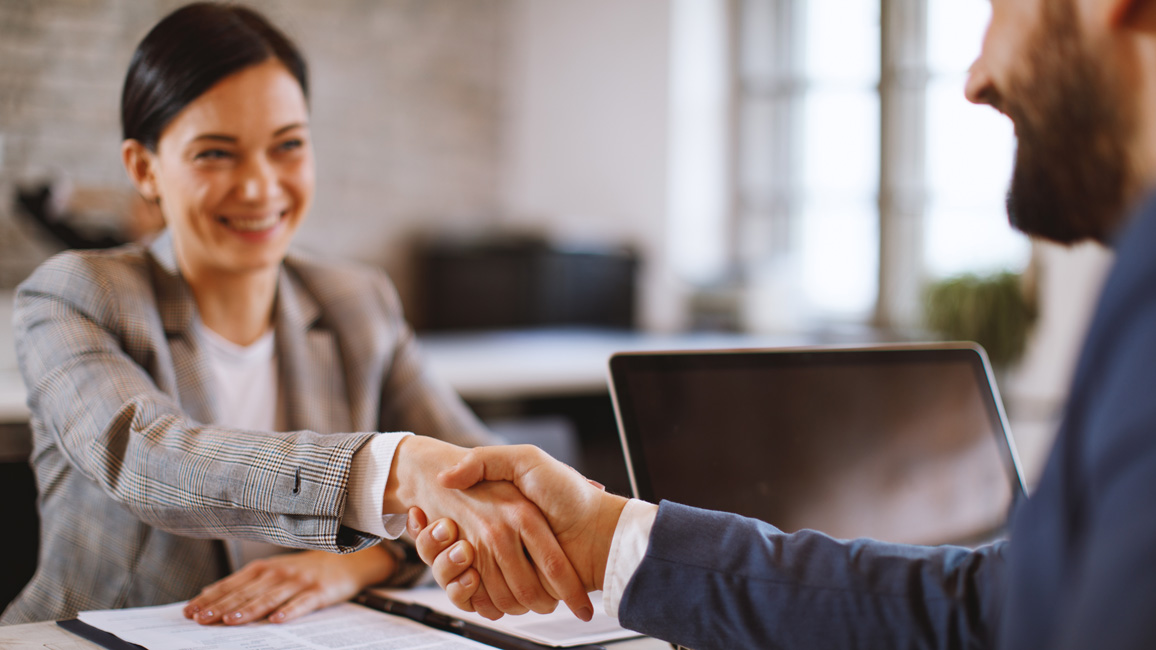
{"points": [[284, 587], [450, 559]]}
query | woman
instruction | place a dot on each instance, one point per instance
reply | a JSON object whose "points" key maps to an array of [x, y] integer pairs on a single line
{"points": [[208, 387]]}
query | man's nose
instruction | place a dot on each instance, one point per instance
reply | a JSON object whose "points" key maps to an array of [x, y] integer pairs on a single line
{"points": [[979, 89]]}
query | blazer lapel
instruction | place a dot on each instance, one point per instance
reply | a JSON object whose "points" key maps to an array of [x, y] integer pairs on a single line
{"points": [[309, 357], [178, 311], [312, 385]]}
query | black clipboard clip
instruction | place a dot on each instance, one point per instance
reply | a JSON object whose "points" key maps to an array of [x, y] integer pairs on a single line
{"points": [[439, 621], [97, 635]]}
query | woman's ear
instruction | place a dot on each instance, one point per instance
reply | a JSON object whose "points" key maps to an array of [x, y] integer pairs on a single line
{"points": [[140, 163]]}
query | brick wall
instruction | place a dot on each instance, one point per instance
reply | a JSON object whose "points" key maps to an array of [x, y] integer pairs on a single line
{"points": [[406, 113]]}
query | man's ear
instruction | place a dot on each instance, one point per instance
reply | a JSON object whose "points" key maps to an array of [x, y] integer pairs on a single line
{"points": [[140, 163]]}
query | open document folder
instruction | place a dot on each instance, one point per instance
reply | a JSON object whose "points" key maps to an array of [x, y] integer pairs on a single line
{"points": [[560, 629], [346, 626]]}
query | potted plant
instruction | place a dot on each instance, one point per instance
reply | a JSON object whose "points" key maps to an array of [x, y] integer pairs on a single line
{"points": [[997, 311]]}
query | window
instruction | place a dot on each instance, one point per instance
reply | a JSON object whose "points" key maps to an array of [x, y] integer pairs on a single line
{"points": [[862, 172], [838, 231], [969, 155]]}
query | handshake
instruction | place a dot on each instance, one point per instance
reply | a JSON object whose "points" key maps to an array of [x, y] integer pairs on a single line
{"points": [[537, 530]]}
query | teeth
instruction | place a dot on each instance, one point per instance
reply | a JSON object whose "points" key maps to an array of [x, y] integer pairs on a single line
{"points": [[253, 225]]}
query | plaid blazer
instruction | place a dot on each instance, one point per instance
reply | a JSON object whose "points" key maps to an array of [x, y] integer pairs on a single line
{"points": [[135, 482]]}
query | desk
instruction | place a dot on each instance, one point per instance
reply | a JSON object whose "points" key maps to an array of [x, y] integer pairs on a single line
{"points": [[49, 635], [521, 364]]}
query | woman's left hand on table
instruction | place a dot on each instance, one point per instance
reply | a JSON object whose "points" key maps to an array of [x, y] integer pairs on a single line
{"points": [[284, 587]]}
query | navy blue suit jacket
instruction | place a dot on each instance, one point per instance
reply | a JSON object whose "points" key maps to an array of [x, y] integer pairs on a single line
{"points": [[1079, 570]]}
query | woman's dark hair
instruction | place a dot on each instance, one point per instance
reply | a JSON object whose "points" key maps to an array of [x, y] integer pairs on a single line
{"points": [[189, 51]]}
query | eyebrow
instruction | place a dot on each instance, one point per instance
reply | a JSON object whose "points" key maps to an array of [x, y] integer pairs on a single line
{"points": [[219, 137]]}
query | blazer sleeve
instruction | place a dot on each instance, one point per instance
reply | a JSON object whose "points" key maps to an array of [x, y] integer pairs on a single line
{"points": [[99, 406], [717, 580]]}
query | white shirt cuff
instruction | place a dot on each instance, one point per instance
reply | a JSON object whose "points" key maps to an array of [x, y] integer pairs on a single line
{"points": [[368, 475], [627, 548]]}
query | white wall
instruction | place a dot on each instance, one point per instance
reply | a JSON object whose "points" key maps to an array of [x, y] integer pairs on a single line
{"points": [[584, 144]]}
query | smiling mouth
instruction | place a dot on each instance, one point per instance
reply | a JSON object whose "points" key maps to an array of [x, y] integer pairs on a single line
{"points": [[253, 224]]}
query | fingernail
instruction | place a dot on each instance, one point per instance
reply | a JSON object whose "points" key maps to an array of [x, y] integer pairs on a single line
{"points": [[457, 555], [235, 616], [208, 613], [467, 581], [441, 532], [279, 616], [585, 613]]}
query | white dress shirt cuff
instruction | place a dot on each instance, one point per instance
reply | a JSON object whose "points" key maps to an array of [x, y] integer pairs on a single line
{"points": [[367, 477], [627, 548]]}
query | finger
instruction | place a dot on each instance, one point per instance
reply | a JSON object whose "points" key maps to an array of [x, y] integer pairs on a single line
{"points": [[519, 576], [263, 604], [549, 559], [461, 590], [451, 564], [416, 521], [484, 464], [215, 591], [300, 605], [484, 605], [234, 600], [435, 539], [556, 571], [497, 596]]}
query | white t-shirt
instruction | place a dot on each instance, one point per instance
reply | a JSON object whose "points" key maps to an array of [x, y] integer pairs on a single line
{"points": [[245, 379]]}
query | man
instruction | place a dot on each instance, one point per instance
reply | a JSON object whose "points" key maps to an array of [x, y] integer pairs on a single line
{"points": [[1078, 79]]}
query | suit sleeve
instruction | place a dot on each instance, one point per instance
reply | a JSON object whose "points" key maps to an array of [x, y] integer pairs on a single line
{"points": [[717, 580], [1111, 586], [108, 416]]}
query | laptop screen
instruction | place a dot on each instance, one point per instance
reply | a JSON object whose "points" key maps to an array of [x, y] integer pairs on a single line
{"points": [[900, 444]]}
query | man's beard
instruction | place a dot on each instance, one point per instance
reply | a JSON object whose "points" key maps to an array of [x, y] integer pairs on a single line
{"points": [[1072, 178]]}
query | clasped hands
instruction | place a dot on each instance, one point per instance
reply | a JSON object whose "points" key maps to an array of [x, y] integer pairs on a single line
{"points": [[581, 515], [532, 532]]}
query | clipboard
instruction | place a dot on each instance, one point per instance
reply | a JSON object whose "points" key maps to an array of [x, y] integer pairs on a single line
{"points": [[439, 621]]}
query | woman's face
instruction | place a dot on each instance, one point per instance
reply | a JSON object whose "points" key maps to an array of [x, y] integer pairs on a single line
{"points": [[233, 173]]}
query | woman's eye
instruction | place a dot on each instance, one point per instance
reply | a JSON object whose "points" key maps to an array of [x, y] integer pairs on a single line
{"points": [[291, 145], [212, 154]]}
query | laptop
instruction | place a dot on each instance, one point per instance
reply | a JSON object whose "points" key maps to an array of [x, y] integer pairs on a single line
{"points": [[907, 444]]}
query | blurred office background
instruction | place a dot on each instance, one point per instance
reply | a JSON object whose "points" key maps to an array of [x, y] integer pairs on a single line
{"points": [[785, 170]]}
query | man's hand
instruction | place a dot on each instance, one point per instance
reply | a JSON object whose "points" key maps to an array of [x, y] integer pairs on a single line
{"points": [[283, 587], [500, 523], [582, 516]]}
